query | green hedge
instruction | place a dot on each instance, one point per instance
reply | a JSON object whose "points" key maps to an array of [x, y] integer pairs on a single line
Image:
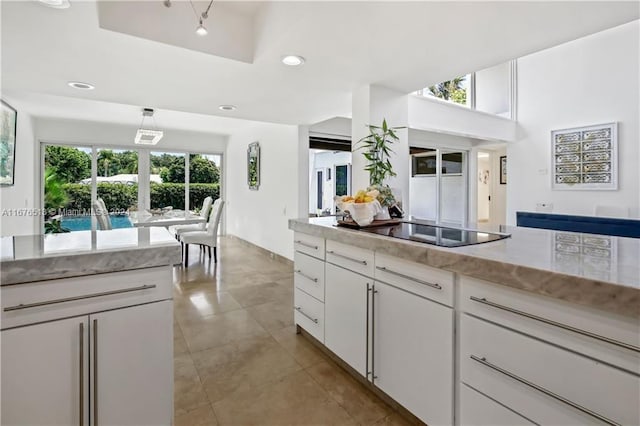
{"points": [[120, 196]]}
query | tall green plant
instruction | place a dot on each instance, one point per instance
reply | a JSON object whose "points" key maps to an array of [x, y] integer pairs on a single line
{"points": [[377, 151], [55, 196]]}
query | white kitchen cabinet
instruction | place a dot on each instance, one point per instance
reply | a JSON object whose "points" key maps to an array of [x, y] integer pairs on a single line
{"points": [[131, 365], [346, 315], [45, 378], [478, 410], [413, 352]]}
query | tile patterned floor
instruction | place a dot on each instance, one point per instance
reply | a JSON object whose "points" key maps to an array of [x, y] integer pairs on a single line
{"points": [[238, 360]]}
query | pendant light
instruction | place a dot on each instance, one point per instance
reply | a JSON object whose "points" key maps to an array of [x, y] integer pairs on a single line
{"points": [[147, 136]]}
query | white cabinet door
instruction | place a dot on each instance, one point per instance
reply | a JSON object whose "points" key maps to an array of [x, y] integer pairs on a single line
{"points": [[345, 305], [44, 373], [478, 410], [413, 353], [132, 365]]}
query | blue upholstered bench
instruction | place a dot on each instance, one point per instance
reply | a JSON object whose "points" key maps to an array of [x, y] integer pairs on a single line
{"points": [[585, 224]]}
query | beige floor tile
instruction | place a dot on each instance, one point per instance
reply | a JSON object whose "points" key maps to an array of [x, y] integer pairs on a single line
{"points": [[218, 330], [179, 345], [202, 416], [261, 293], [273, 315], [394, 419], [188, 393], [304, 352], [294, 400], [358, 401], [200, 304], [242, 365]]}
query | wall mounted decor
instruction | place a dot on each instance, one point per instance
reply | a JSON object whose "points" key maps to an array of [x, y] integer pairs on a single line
{"points": [[253, 166], [585, 158], [8, 120], [503, 170]]}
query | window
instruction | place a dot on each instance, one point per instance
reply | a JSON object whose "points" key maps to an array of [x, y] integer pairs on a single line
{"points": [[204, 179], [455, 90], [117, 183], [167, 180]]}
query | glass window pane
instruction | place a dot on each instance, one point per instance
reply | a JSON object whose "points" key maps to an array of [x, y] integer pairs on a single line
{"points": [[117, 183], [167, 174], [67, 188], [455, 90], [204, 179], [492, 89]]}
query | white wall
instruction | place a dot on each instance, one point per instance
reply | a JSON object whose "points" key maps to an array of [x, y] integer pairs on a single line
{"points": [[429, 113], [261, 217], [591, 80], [100, 133], [21, 196], [483, 180], [492, 89]]}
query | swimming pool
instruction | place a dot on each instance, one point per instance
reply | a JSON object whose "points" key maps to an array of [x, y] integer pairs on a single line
{"points": [[83, 223]]}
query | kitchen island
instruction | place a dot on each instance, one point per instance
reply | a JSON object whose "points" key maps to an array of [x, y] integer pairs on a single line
{"points": [[87, 327], [515, 331]]}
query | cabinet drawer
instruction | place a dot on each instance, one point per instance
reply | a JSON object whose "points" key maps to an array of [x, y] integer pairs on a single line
{"points": [[47, 300], [352, 258], [309, 244], [432, 283], [309, 314], [309, 275], [478, 410], [522, 372], [576, 327]]}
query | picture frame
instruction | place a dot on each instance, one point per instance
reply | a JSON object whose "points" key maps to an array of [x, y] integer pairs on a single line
{"points": [[253, 166], [8, 134], [585, 158], [503, 170]]}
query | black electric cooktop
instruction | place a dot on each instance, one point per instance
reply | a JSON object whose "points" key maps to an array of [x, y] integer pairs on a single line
{"points": [[435, 234]]}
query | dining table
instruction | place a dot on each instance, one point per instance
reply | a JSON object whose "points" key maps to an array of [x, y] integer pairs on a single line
{"points": [[167, 219]]}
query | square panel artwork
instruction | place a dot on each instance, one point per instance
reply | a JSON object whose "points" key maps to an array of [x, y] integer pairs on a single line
{"points": [[585, 157]]}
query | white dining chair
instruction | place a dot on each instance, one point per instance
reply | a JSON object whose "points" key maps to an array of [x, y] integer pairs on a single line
{"points": [[177, 230], [102, 214], [207, 238]]}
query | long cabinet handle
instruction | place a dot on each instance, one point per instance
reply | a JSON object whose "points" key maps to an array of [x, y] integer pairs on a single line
{"points": [[547, 392], [484, 301], [81, 368], [366, 352], [302, 243], [299, 309], [363, 262], [401, 275], [373, 333], [71, 299], [302, 274], [95, 372]]}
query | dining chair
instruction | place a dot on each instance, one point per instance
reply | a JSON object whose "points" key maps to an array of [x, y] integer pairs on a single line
{"points": [[102, 214], [204, 213], [207, 238]]}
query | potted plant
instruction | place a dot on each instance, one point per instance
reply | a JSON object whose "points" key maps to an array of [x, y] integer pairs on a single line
{"points": [[377, 151], [54, 199]]}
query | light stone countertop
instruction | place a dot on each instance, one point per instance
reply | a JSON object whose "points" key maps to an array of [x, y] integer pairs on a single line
{"points": [[593, 270], [29, 258]]}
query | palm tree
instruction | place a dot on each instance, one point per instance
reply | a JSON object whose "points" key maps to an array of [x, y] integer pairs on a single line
{"points": [[450, 90]]}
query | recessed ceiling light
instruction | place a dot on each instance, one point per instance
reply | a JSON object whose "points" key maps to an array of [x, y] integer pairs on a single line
{"points": [[80, 85], [56, 4], [227, 108], [293, 60]]}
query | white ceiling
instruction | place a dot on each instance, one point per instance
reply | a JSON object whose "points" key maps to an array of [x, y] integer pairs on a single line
{"points": [[403, 45]]}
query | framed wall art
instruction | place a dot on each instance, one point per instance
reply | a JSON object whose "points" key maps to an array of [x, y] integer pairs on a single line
{"points": [[503, 170], [253, 166], [8, 123], [585, 158]]}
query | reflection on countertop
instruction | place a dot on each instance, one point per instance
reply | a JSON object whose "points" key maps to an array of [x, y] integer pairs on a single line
{"points": [[597, 270], [27, 258]]}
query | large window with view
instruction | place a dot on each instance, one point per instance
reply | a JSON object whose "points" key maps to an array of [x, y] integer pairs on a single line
{"points": [[455, 90], [75, 176]]}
